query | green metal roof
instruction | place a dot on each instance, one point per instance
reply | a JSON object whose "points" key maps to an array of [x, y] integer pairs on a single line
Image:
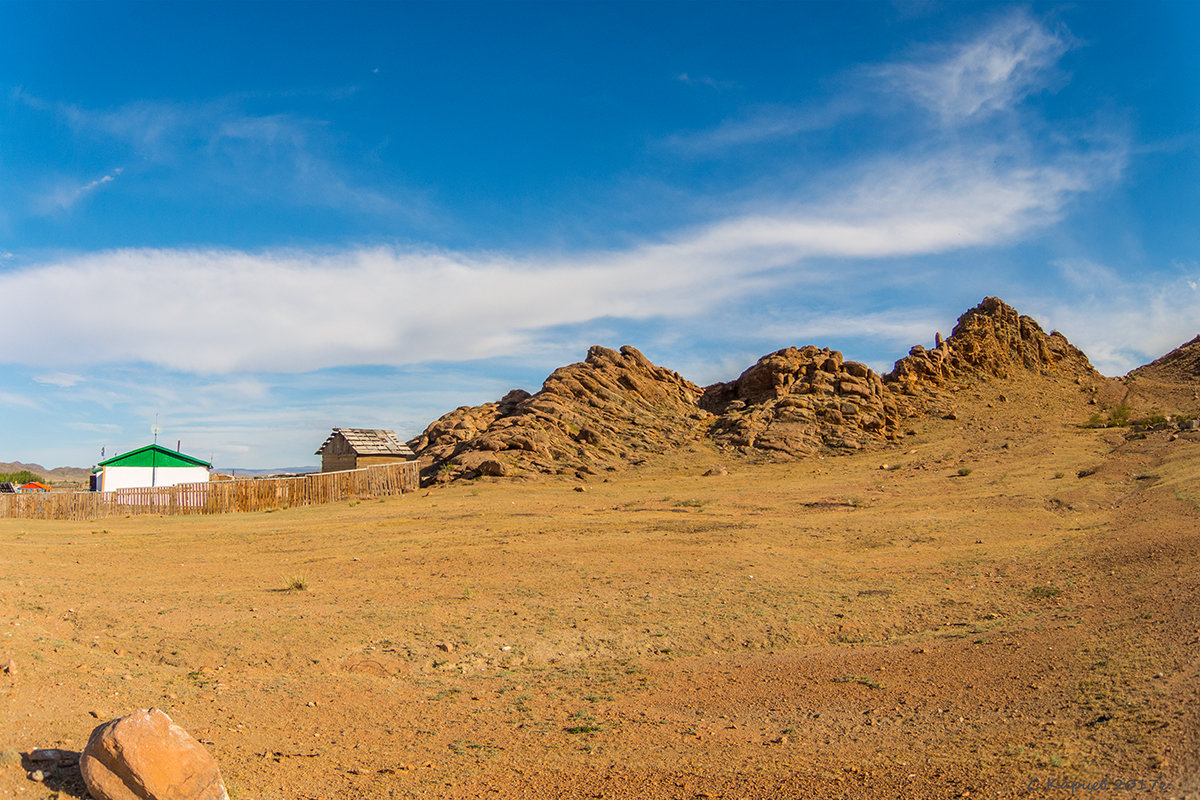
{"points": [[153, 455]]}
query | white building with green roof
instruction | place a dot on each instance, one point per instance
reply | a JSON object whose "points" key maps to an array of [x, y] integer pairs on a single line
{"points": [[149, 466]]}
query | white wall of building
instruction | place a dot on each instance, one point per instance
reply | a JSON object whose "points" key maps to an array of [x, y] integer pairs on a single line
{"points": [[139, 477]]}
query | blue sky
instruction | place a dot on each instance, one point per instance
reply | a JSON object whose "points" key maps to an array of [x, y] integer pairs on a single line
{"points": [[261, 220]]}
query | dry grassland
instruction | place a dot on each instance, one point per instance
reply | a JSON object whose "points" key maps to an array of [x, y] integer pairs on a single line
{"points": [[819, 629]]}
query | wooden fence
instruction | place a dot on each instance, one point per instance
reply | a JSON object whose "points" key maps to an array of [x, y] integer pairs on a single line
{"points": [[217, 497]]}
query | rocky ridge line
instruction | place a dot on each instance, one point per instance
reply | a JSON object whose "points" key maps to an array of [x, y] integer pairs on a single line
{"points": [[1181, 365], [615, 407]]}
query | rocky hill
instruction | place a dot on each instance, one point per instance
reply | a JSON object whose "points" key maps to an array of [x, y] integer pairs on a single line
{"points": [[1181, 365], [611, 409], [800, 401], [1166, 386], [615, 407], [797, 401], [993, 340]]}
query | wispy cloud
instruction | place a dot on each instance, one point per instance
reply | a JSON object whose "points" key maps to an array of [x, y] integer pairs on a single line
{"points": [[63, 380], [65, 197], [248, 421], [1120, 323], [19, 400], [983, 74], [901, 328], [703, 80], [217, 145], [94, 427], [222, 311], [767, 123]]}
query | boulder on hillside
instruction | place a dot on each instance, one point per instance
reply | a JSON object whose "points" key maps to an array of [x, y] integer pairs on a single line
{"points": [[146, 756]]}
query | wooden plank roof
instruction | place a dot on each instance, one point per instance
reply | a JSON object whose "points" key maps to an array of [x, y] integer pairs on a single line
{"points": [[370, 442]]}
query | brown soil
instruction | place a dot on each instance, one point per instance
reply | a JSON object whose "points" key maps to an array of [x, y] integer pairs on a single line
{"points": [[822, 628]]}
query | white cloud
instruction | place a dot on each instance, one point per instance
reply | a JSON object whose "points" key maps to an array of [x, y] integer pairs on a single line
{"points": [[221, 311], [216, 144], [99, 182], [1084, 274], [94, 427], [1122, 324], [987, 73], [900, 328], [63, 380], [65, 197], [702, 80], [19, 400], [767, 124]]}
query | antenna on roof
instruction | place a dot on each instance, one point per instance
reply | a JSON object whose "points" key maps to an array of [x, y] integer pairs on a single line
{"points": [[155, 429]]}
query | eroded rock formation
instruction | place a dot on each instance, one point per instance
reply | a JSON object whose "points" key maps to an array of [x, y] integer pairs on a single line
{"points": [[608, 410], [615, 407], [796, 401], [990, 340]]}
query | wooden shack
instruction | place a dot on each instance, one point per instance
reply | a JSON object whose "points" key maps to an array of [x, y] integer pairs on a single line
{"points": [[351, 448]]}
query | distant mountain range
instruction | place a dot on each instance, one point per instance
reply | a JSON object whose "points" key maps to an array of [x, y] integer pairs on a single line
{"points": [[75, 475]]}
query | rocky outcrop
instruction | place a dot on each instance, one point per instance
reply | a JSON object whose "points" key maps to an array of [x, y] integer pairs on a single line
{"points": [[614, 408], [993, 340], [611, 409], [797, 401], [444, 437]]}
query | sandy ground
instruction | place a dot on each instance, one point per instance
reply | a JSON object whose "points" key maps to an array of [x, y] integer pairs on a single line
{"points": [[820, 629]]}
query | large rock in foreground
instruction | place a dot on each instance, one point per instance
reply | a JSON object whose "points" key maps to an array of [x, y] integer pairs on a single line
{"points": [[146, 756]]}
